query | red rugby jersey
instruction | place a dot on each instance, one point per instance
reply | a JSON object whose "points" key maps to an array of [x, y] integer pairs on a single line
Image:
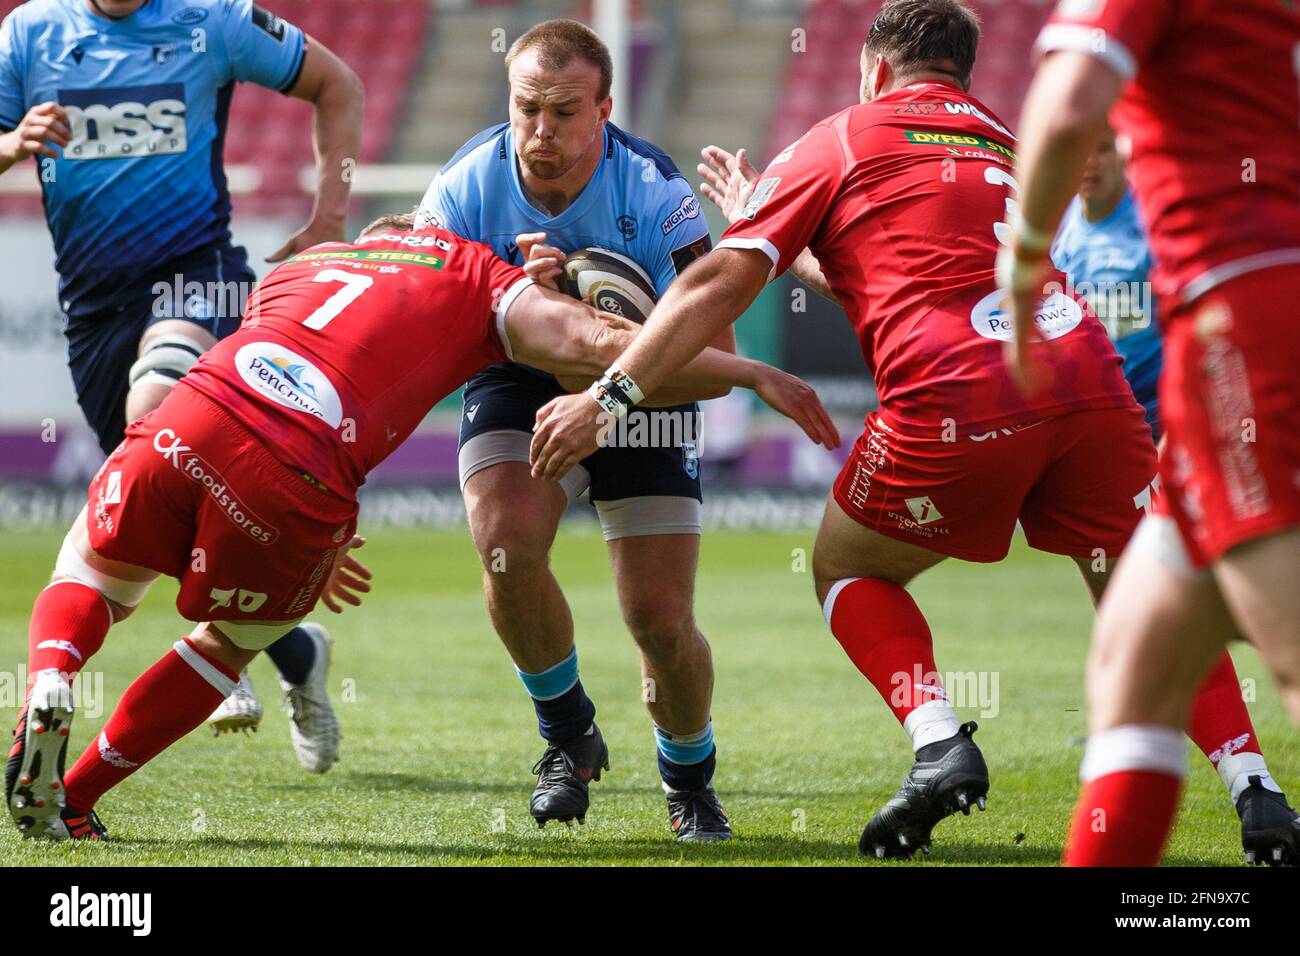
{"points": [[903, 202], [1213, 116], [347, 346]]}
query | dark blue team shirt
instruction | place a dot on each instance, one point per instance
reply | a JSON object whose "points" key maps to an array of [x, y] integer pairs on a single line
{"points": [[148, 97]]}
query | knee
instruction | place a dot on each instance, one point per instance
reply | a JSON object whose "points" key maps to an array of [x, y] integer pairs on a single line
{"points": [[663, 631], [1287, 674], [1110, 652], [120, 611], [511, 541], [117, 611], [824, 577], [168, 350]]}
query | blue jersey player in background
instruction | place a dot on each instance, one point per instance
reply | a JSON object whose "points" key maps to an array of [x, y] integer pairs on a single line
{"points": [[1102, 245], [124, 104], [560, 168]]}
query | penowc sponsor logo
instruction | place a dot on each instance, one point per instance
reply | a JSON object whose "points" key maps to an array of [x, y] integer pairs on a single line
{"points": [[1055, 316], [288, 379], [185, 460]]}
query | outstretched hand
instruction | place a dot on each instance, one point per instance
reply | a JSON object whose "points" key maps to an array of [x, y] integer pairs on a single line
{"points": [[797, 400], [349, 578], [312, 234], [728, 179]]}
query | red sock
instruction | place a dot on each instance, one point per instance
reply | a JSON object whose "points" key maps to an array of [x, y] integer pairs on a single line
{"points": [[68, 625], [886, 636], [1132, 779], [1221, 724], [164, 704], [1123, 819]]}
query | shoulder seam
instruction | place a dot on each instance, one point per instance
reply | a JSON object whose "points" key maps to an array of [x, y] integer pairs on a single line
{"points": [[474, 143], [646, 150], [838, 126]]}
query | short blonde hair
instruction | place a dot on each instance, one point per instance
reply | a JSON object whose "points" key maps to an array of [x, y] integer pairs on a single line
{"points": [[560, 42], [393, 222]]}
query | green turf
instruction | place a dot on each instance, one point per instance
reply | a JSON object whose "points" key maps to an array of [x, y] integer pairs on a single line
{"points": [[439, 735]]}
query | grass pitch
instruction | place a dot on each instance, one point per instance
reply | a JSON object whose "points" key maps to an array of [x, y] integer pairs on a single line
{"points": [[439, 737]]}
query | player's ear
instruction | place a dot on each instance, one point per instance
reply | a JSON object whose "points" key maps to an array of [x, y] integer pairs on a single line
{"points": [[603, 109], [882, 77]]}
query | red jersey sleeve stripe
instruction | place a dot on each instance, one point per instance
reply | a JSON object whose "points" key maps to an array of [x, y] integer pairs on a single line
{"points": [[756, 242], [1094, 41], [503, 306]]}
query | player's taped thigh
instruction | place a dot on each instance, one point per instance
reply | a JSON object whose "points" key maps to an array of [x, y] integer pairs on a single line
{"points": [[204, 667], [646, 515], [1158, 537], [165, 359], [492, 448], [71, 565], [254, 635]]}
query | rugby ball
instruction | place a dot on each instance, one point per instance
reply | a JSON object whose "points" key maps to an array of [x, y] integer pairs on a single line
{"points": [[609, 282]]}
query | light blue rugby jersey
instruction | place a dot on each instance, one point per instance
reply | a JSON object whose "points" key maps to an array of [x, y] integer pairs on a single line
{"points": [[637, 203], [148, 96], [1110, 262]]}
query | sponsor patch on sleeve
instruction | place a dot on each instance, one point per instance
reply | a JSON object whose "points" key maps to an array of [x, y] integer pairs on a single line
{"points": [[689, 208], [428, 216], [268, 23], [685, 255], [762, 193]]}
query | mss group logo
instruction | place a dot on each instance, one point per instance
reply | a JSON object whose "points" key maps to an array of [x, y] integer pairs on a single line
{"points": [[125, 121]]}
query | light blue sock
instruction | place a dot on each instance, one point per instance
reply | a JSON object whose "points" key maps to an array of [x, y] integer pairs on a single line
{"points": [[563, 708], [686, 761]]}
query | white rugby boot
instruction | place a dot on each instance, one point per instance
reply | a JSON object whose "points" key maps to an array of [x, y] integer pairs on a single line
{"points": [[314, 729], [240, 711], [34, 771]]}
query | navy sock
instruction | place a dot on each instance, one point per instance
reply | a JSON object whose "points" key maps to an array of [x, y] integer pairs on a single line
{"points": [[691, 776], [565, 717], [293, 655], [686, 761], [564, 710]]}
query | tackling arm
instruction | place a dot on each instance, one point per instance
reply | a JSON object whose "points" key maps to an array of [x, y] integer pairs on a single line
{"points": [[560, 335], [808, 270], [1065, 113], [1064, 116], [707, 299]]}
